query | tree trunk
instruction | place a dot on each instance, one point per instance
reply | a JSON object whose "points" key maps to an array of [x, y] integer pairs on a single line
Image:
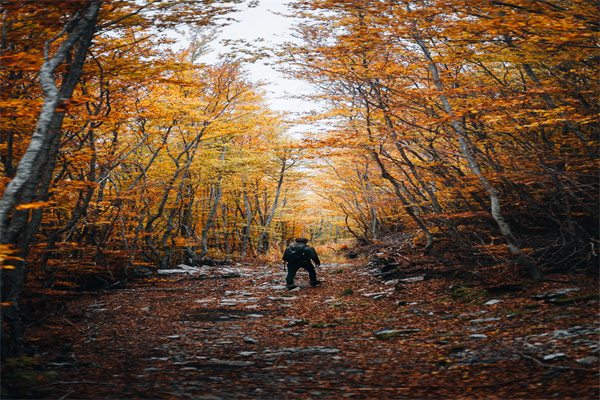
{"points": [[284, 167], [210, 221], [494, 195], [31, 180], [407, 207], [247, 228], [217, 194]]}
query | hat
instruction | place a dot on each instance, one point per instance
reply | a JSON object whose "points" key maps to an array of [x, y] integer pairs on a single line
{"points": [[302, 240]]}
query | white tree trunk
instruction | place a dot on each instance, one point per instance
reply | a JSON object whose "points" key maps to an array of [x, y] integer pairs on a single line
{"points": [[33, 173], [27, 167]]}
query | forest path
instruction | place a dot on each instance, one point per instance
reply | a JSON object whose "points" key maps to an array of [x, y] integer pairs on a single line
{"points": [[237, 333]]}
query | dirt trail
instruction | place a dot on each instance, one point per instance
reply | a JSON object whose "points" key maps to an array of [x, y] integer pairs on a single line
{"points": [[237, 333]]}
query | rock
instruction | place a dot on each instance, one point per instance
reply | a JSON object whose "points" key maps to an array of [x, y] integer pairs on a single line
{"points": [[472, 314], [478, 336], [587, 360], [389, 267], [182, 269], [391, 333], [250, 340], [413, 279], [231, 363], [561, 333], [319, 349], [311, 349], [281, 298], [229, 275], [378, 295], [299, 322], [323, 325], [480, 320], [555, 357], [555, 293], [274, 353], [574, 299], [492, 302], [278, 287]]}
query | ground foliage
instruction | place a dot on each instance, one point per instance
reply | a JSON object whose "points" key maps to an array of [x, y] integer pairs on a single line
{"points": [[234, 332]]}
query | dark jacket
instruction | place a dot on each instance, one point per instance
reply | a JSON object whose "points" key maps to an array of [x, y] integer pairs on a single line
{"points": [[312, 254]]}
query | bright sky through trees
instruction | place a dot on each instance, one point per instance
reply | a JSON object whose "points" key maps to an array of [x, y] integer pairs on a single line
{"points": [[260, 23]]}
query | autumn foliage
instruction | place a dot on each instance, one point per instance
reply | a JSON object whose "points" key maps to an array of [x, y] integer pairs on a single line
{"points": [[469, 125], [471, 122], [147, 158]]}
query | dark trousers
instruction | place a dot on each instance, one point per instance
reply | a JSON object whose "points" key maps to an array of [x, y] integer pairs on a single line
{"points": [[292, 268]]}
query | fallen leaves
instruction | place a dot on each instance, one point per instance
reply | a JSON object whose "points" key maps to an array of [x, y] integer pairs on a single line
{"points": [[246, 337]]}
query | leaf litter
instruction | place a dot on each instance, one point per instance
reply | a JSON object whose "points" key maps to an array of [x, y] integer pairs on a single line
{"points": [[244, 336]]}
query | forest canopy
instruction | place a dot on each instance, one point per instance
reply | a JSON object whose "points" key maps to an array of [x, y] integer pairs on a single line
{"points": [[475, 122]]}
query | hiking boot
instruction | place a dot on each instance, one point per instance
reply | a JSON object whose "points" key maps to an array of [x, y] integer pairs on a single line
{"points": [[293, 287], [315, 283]]}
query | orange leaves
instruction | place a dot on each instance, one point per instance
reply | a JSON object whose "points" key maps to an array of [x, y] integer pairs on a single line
{"points": [[510, 76], [6, 256], [18, 108], [179, 322], [30, 206]]}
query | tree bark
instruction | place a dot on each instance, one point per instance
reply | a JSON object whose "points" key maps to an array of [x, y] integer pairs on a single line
{"points": [[284, 167], [407, 206], [32, 178], [246, 238], [210, 221], [493, 193]]}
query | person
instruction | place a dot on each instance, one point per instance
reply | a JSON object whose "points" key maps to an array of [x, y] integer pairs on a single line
{"points": [[300, 255]]}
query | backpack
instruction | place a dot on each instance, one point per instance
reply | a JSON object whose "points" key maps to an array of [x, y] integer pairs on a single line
{"points": [[296, 254]]}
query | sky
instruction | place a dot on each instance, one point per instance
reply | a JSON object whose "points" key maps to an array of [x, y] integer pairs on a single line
{"points": [[260, 22]]}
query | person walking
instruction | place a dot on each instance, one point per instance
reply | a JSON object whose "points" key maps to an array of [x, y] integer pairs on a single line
{"points": [[301, 255]]}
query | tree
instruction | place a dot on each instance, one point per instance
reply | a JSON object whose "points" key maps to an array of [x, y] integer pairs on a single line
{"points": [[423, 82], [287, 161], [32, 178], [67, 30]]}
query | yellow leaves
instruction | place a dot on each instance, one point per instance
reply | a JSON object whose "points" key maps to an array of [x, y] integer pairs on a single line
{"points": [[72, 187], [19, 108], [35, 205], [5, 255], [74, 102], [181, 242]]}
